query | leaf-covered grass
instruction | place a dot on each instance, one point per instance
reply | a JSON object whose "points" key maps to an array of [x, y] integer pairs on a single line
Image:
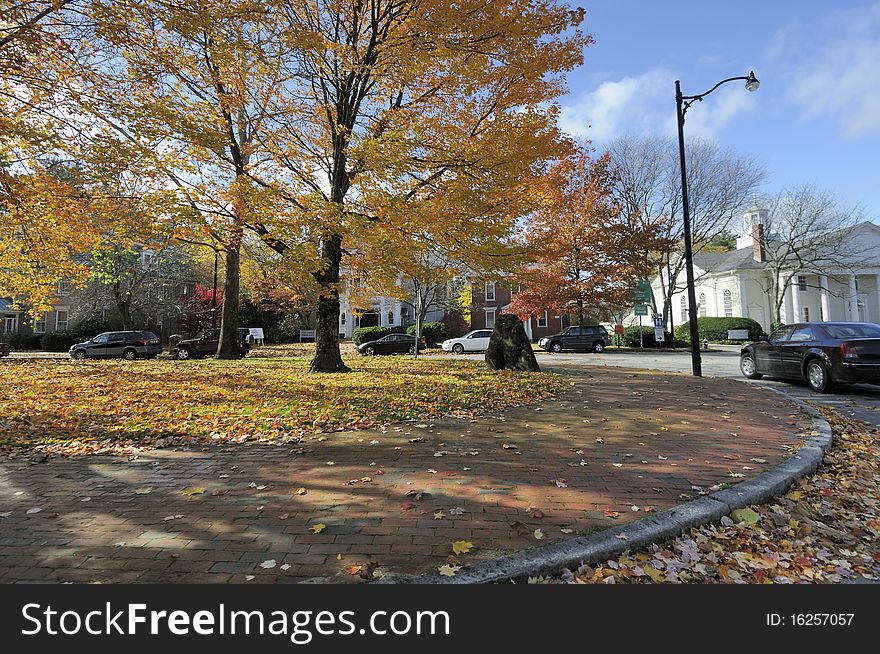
{"points": [[105, 406]]}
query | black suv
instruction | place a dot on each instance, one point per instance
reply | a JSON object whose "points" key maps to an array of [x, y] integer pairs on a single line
{"points": [[206, 343], [128, 345], [577, 338]]}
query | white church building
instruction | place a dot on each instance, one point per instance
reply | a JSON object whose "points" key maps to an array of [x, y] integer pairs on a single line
{"points": [[735, 283]]}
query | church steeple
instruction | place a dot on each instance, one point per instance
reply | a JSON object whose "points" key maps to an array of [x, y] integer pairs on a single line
{"points": [[754, 215]]}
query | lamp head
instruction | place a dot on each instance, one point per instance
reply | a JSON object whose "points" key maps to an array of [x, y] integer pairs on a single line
{"points": [[752, 82]]}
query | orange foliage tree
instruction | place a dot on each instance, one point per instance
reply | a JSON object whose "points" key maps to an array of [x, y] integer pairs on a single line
{"points": [[586, 256]]}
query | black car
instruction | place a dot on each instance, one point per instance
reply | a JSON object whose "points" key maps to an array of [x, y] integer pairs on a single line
{"points": [[392, 344], [128, 345], [577, 338], [821, 353]]}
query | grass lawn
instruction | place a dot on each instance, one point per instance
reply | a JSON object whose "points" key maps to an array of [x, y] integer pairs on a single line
{"points": [[107, 406]]}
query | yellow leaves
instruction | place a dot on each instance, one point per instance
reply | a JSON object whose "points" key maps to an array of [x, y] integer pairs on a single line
{"points": [[109, 404], [317, 528], [746, 515], [196, 490], [461, 547], [300, 491], [538, 534]]}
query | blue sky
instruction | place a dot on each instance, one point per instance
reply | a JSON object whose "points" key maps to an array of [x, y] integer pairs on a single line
{"points": [[816, 117]]}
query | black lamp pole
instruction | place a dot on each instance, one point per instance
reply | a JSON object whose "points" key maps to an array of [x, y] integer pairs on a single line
{"points": [[683, 103]]}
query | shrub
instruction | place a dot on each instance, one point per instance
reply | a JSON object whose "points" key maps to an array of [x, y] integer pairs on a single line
{"points": [[22, 341], [286, 331], [630, 337], [364, 334], [92, 327], [715, 329], [59, 341], [433, 332]]}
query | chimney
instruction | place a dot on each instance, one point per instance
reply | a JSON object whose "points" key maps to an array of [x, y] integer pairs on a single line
{"points": [[758, 242]]}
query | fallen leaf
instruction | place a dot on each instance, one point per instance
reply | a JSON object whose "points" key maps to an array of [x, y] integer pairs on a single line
{"points": [[268, 564], [300, 491], [461, 547], [449, 570], [196, 490], [318, 528], [538, 534]]}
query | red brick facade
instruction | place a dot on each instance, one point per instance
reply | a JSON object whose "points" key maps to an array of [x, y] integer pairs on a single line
{"points": [[490, 299]]}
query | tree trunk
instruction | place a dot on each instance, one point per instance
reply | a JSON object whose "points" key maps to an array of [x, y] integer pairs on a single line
{"points": [[228, 346], [327, 356], [510, 348], [580, 313]]}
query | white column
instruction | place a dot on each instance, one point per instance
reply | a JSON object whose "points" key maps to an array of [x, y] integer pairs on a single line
{"points": [[743, 303], [853, 310], [795, 299], [826, 303], [877, 281], [527, 325], [382, 319]]}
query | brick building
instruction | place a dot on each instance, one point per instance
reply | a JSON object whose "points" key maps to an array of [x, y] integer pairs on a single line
{"points": [[489, 299]]}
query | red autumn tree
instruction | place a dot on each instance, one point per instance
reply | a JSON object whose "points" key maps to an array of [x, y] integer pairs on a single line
{"points": [[196, 309], [586, 256]]}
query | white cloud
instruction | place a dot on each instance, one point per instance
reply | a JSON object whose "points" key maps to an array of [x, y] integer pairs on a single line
{"points": [[841, 79], [646, 105]]}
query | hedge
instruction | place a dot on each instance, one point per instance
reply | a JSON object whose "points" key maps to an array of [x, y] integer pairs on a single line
{"points": [[432, 332], [59, 341], [364, 334], [630, 337], [715, 329], [19, 341]]}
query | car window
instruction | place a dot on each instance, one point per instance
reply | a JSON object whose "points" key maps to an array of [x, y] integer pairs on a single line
{"points": [[801, 334], [116, 336], [852, 331], [149, 335], [781, 334], [100, 338], [486, 334]]}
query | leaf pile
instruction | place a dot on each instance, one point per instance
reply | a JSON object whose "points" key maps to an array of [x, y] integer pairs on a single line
{"points": [[107, 407], [824, 530]]}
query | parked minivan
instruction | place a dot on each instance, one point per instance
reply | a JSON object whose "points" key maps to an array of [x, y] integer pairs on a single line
{"points": [[128, 345]]}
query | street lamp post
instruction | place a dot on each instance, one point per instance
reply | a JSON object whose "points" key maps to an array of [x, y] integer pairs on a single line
{"points": [[683, 103]]}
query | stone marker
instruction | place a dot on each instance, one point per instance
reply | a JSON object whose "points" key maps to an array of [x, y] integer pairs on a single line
{"points": [[509, 347]]}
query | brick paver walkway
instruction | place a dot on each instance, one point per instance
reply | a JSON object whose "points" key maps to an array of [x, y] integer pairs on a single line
{"points": [[619, 439]]}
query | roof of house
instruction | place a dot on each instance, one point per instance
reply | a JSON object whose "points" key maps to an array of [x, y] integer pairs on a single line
{"points": [[4, 305], [727, 261]]}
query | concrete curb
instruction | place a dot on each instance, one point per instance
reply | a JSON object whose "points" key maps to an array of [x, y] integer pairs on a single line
{"points": [[673, 522]]}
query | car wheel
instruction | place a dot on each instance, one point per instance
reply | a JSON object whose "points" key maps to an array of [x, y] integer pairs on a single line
{"points": [[458, 348], [79, 355], [184, 354], [556, 346], [129, 354], [818, 376], [598, 346], [748, 367], [370, 351]]}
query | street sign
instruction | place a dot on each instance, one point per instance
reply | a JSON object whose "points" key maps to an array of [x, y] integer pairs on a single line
{"points": [[659, 336], [642, 292], [618, 329], [641, 309], [658, 320]]}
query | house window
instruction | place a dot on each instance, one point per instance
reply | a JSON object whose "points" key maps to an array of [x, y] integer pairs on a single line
{"points": [[40, 324], [802, 283], [404, 314], [702, 309], [63, 287], [10, 324], [542, 320], [806, 314], [342, 318], [490, 291], [684, 309], [515, 288], [728, 304], [390, 317], [490, 318], [61, 319]]}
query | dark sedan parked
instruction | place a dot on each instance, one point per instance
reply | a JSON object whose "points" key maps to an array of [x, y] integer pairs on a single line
{"points": [[128, 345], [822, 353], [391, 344]]}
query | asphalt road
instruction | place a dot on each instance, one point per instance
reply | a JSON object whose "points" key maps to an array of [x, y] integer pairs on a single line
{"points": [[860, 401]]}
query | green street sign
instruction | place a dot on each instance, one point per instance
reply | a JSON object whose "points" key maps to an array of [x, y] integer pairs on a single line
{"points": [[641, 309], [642, 291]]}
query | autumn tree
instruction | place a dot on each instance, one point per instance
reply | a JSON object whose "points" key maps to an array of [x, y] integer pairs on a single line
{"points": [[415, 117], [586, 250]]}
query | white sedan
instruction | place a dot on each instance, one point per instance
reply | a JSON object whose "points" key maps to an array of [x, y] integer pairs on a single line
{"points": [[475, 341]]}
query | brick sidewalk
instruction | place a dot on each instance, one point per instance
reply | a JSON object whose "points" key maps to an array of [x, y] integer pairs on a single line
{"points": [[619, 439]]}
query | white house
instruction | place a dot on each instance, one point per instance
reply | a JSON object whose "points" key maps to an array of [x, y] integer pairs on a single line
{"points": [[382, 311], [735, 283]]}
